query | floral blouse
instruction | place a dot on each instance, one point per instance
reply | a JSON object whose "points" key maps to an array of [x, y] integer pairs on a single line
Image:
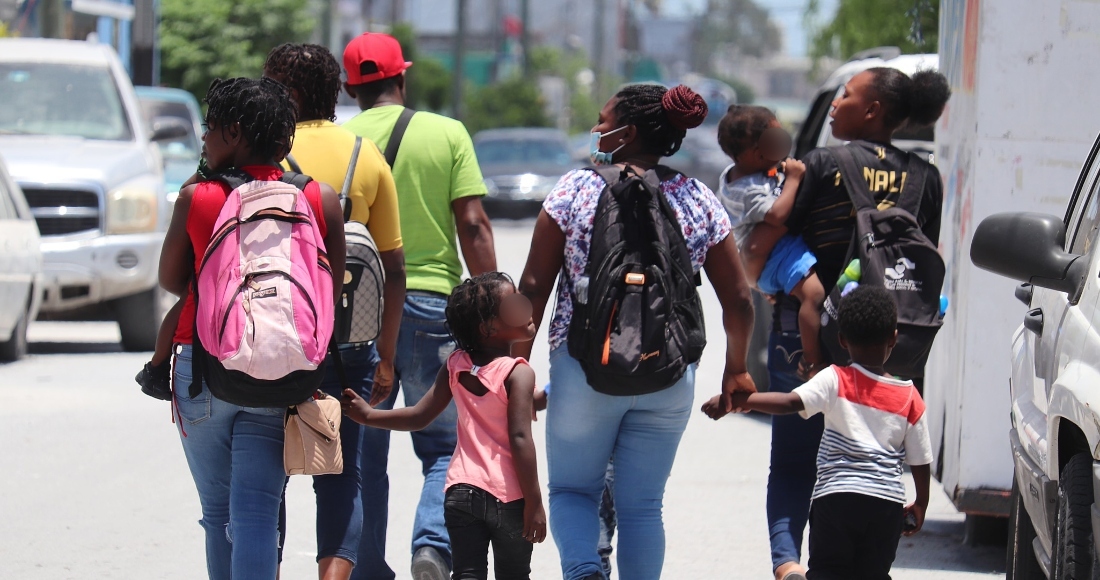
{"points": [[572, 205]]}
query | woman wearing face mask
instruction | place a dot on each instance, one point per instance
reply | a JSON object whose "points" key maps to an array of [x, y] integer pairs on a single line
{"points": [[873, 106], [636, 128]]}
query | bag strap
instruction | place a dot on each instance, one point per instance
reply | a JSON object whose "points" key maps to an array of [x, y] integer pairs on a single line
{"points": [[233, 178], [296, 179], [293, 163], [912, 193], [854, 184], [339, 362], [345, 201], [397, 135]]}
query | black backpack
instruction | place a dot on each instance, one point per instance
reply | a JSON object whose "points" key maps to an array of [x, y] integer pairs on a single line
{"points": [[638, 321], [896, 255]]}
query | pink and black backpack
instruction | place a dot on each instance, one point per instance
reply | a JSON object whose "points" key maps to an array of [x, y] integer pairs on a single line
{"points": [[263, 295]]}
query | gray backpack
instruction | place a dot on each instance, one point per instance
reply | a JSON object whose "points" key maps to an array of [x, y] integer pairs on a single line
{"points": [[359, 309]]}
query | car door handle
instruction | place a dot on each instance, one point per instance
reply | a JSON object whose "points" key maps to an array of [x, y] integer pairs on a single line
{"points": [[1024, 292], [1033, 321]]}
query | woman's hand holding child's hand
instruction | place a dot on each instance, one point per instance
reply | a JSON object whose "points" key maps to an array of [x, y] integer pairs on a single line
{"points": [[534, 521], [355, 407]]}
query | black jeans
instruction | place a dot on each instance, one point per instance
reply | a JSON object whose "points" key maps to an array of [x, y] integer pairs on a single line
{"points": [[475, 519], [853, 537]]}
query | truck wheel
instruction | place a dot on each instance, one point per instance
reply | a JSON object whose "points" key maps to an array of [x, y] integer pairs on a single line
{"points": [[15, 347], [1073, 548], [139, 318], [1020, 561]]}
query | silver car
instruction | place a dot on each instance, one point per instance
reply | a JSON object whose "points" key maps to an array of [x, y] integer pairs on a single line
{"points": [[20, 269], [521, 166], [74, 138]]}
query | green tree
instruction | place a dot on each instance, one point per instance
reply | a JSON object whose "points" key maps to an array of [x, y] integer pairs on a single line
{"points": [[429, 82], [862, 24], [512, 103], [206, 39], [740, 23]]}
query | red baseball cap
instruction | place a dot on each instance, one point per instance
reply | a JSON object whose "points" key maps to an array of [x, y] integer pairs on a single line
{"points": [[373, 56]]}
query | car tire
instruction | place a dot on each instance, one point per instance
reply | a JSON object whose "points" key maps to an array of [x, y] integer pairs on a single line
{"points": [[15, 347], [1074, 553], [1020, 560], [139, 317]]}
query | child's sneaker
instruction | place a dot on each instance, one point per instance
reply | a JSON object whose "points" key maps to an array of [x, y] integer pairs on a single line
{"points": [[156, 381]]}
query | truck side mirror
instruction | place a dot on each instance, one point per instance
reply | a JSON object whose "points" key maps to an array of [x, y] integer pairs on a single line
{"points": [[168, 128], [1029, 247]]}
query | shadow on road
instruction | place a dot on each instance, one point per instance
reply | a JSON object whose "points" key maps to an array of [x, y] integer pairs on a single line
{"points": [[944, 538], [73, 347]]}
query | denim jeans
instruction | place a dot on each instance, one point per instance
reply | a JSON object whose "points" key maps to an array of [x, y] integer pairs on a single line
{"points": [[584, 429], [607, 519], [793, 455], [423, 346], [475, 519], [236, 459]]}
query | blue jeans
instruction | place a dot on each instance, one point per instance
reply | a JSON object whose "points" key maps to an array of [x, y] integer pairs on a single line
{"points": [[793, 455], [236, 459], [339, 497], [583, 430], [422, 348]]}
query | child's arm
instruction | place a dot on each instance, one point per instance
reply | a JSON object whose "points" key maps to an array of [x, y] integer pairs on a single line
{"points": [[521, 387], [412, 418], [758, 246], [921, 477], [770, 403], [793, 170]]}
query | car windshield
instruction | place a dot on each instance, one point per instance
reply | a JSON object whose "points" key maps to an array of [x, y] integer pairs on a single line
{"points": [[61, 99], [519, 151]]}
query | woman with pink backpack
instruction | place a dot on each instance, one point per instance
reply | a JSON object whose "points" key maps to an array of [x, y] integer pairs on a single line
{"points": [[267, 251]]}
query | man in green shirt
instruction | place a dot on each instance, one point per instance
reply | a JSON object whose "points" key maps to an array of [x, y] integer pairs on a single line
{"points": [[439, 190]]}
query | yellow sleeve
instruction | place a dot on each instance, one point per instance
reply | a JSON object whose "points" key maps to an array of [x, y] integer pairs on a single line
{"points": [[379, 214]]}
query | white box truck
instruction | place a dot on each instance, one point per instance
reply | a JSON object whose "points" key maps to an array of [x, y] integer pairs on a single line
{"points": [[1020, 123]]}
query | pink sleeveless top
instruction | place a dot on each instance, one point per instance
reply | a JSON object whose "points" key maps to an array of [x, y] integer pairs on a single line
{"points": [[483, 457]]}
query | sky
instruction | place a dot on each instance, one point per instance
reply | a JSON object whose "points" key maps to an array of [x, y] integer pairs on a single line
{"points": [[787, 13]]}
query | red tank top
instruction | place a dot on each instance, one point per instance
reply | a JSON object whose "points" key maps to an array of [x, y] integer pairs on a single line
{"points": [[206, 204]]}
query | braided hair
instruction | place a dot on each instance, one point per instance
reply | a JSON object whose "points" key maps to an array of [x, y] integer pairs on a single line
{"points": [[662, 116], [313, 72], [742, 127], [471, 305], [263, 109]]}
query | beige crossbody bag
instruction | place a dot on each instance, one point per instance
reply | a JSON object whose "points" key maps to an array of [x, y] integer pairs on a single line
{"points": [[312, 444]]}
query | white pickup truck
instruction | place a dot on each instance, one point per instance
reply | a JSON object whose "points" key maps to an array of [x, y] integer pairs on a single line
{"points": [[75, 140]]}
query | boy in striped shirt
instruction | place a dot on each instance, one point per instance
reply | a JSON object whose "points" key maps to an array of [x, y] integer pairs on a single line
{"points": [[872, 424]]}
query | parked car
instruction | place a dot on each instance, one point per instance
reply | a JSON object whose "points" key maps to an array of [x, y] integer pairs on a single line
{"points": [[179, 110], [20, 269], [521, 166], [76, 142], [1054, 526]]}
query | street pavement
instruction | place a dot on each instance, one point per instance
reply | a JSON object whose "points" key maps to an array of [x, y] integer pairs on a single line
{"points": [[96, 486]]}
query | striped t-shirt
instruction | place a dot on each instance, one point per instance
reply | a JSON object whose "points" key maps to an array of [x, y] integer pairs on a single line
{"points": [[872, 424]]}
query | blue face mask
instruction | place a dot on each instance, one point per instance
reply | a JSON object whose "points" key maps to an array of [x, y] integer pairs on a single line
{"points": [[601, 157]]}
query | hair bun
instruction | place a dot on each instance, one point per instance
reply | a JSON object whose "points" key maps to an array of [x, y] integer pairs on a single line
{"points": [[684, 107]]}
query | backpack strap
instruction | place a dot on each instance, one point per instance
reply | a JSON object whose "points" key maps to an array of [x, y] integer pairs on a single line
{"points": [[233, 178], [398, 133], [912, 193], [296, 179], [345, 201], [854, 184], [293, 163]]}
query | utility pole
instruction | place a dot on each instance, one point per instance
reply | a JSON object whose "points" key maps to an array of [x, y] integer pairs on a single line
{"points": [[460, 55], [395, 12], [525, 35], [597, 47], [52, 19]]}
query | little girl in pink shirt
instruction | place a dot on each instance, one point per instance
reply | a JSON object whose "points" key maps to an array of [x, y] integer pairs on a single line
{"points": [[493, 493]]}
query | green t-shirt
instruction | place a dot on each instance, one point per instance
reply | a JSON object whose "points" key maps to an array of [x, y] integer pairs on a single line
{"points": [[435, 166]]}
